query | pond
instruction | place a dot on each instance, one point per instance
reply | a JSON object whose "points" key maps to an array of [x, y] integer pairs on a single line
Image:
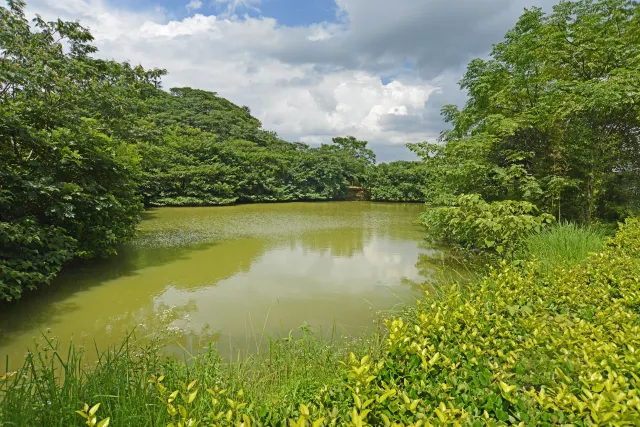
{"points": [[231, 275]]}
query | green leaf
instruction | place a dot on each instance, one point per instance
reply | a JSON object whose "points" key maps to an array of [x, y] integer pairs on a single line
{"points": [[94, 409]]}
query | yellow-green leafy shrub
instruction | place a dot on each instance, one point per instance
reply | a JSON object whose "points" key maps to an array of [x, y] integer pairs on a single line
{"points": [[520, 347]]}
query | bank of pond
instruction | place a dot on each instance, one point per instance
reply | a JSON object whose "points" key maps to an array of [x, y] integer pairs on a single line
{"points": [[524, 344], [233, 276]]}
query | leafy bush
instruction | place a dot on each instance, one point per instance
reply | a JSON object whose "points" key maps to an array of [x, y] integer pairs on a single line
{"points": [[474, 223], [30, 256], [519, 347]]}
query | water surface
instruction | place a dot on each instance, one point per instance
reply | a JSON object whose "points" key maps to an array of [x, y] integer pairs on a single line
{"points": [[231, 275]]}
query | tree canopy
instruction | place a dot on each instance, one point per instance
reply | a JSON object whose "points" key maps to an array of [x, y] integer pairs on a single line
{"points": [[553, 117], [399, 181], [67, 160]]}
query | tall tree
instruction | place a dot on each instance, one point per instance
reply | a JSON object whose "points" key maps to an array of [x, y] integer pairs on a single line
{"points": [[358, 157], [553, 117], [67, 164]]}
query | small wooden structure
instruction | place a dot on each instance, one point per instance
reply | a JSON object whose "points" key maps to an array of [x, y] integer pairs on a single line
{"points": [[357, 193]]}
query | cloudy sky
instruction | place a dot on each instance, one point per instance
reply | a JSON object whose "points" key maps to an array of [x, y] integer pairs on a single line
{"points": [[309, 69]]}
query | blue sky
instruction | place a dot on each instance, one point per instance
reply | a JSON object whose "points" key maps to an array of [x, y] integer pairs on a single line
{"points": [[297, 12], [287, 12]]}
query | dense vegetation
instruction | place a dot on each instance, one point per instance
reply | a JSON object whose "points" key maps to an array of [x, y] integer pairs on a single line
{"points": [[549, 336], [399, 181], [207, 151], [552, 118], [67, 164], [473, 223], [519, 346]]}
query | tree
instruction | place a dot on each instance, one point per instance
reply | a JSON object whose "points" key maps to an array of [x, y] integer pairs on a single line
{"points": [[553, 117], [67, 166], [357, 156]]}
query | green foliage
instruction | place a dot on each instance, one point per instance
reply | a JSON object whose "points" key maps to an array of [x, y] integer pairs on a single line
{"points": [[199, 109], [30, 256], [89, 414], [136, 385], [519, 347], [67, 163], [475, 224], [356, 158], [552, 118], [200, 149], [563, 245], [400, 181], [191, 167]]}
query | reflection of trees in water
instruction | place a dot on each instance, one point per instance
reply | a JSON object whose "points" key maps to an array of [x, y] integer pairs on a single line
{"points": [[338, 243], [172, 329], [86, 295], [216, 263], [356, 224], [441, 267], [49, 305]]}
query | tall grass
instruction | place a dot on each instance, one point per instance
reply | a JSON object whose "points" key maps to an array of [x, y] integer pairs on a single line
{"points": [[51, 386], [563, 245]]}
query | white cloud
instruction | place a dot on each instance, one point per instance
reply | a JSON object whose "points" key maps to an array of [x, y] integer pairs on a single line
{"points": [[309, 83], [232, 6], [194, 5]]}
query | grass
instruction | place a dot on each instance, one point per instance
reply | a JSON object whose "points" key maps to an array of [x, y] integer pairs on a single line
{"points": [[51, 386], [563, 245]]}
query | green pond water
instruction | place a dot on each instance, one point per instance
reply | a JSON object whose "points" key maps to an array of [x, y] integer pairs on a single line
{"points": [[231, 275]]}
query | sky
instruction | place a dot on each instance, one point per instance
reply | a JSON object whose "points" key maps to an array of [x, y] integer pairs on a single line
{"points": [[379, 70]]}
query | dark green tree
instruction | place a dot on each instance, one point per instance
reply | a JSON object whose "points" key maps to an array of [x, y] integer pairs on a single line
{"points": [[552, 118], [67, 165]]}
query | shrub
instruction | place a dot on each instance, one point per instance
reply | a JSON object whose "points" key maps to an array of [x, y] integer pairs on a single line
{"points": [[475, 224], [519, 347], [30, 256]]}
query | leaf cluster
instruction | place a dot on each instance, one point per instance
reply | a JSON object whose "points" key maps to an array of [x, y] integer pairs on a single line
{"points": [[68, 165], [472, 223], [552, 117]]}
